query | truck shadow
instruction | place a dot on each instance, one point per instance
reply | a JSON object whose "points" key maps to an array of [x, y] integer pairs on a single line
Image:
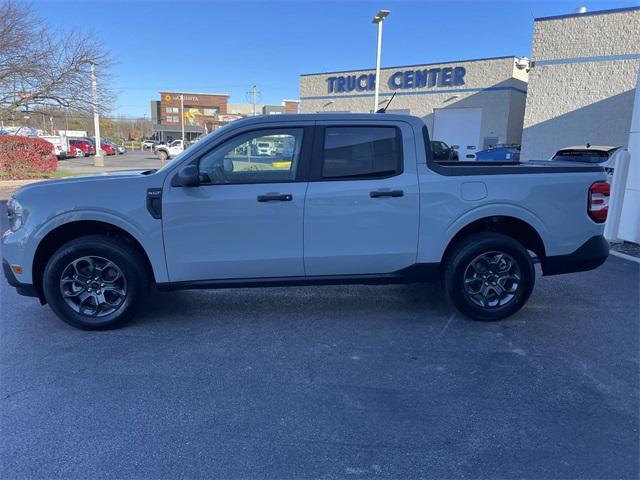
{"points": [[404, 303]]}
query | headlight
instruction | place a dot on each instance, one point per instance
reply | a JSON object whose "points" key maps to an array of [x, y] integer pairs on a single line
{"points": [[16, 214]]}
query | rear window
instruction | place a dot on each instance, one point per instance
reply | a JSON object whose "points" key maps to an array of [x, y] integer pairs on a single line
{"points": [[367, 152], [584, 156]]}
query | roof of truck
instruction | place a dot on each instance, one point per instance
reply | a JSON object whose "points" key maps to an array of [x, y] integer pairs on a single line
{"points": [[315, 117]]}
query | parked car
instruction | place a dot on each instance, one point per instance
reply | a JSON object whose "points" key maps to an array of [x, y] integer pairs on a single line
{"points": [[591, 154], [56, 148], [442, 151], [61, 144], [150, 144], [119, 149], [172, 150], [83, 147], [363, 203], [108, 148], [500, 153]]}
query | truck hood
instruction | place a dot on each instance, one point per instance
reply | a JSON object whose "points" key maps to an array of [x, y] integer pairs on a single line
{"points": [[86, 179]]}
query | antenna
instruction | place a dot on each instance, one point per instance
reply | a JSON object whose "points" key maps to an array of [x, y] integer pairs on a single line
{"points": [[384, 109]]}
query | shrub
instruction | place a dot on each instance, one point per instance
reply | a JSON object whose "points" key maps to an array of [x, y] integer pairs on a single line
{"points": [[25, 157]]}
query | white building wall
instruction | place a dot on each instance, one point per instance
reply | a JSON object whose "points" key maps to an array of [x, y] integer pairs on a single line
{"points": [[495, 85], [582, 84]]}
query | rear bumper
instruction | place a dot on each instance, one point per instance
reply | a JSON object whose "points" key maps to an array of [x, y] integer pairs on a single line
{"points": [[25, 289], [590, 255]]}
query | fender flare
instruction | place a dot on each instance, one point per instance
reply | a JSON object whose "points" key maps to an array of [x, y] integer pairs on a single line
{"points": [[494, 210]]}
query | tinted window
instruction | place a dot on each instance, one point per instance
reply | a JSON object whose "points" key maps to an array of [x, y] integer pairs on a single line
{"points": [[261, 156], [585, 156], [361, 152]]}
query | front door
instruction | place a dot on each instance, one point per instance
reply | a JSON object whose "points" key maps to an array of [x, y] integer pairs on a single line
{"points": [[245, 220], [361, 213]]}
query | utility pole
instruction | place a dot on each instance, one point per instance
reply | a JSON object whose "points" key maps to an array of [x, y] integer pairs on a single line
{"points": [[182, 116], [379, 18], [253, 99], [98, 161]]}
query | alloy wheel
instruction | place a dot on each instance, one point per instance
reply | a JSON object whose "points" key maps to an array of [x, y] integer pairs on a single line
{"points": [[93, 286], [492, 279]]}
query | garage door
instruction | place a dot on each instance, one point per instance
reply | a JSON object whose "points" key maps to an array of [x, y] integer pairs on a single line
{"points": [[459, 127]]}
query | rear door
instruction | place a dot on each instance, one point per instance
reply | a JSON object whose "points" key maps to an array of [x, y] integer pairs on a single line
{"points": [[361, 209]]}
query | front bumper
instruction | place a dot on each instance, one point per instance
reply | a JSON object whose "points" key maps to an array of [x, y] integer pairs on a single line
{"points": [[590, 255], [25, 289]]}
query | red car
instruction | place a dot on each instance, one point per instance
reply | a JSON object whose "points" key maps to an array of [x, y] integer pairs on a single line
{"points": [[83, 147], [108, 149]]}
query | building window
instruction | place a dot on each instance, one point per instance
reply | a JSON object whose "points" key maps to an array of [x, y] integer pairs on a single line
{"points": [[173, 118], [365, 152], [173, 110], [210, 112]]}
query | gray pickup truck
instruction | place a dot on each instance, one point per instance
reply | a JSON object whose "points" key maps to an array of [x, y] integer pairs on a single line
{"points": [[334, 199]]}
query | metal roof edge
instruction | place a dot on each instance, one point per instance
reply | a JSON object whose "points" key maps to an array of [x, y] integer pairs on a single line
{"points": [[587, 14]]}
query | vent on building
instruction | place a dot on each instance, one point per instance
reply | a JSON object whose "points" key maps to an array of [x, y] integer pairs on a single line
{"points": [[581, 10]]}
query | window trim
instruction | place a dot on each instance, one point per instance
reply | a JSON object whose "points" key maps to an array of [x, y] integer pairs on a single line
{"points": [[318, 154], [302, 172]]}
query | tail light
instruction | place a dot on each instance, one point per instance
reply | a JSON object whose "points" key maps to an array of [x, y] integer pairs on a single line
{"points": [[599, 201]]}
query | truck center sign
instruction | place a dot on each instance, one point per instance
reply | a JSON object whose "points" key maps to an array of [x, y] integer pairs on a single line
{"points": [[399, 80]]}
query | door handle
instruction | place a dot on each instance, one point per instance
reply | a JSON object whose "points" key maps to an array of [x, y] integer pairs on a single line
{"points": [[386, 193], [275, 197]]}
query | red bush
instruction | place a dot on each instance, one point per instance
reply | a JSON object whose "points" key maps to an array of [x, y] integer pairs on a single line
{"points": [[24, 157]]}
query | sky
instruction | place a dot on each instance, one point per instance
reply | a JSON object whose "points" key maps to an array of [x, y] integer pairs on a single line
{"points": [[227, 46]]}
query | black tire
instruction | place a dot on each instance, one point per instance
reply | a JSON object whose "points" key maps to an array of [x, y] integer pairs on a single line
{"points": [[461, 278], [133, 281], [162, 155]]}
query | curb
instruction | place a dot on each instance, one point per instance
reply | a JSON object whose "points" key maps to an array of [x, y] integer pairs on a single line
{"points": [[624, 256]]}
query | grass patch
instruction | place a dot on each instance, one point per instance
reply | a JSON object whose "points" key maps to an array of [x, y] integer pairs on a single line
{"points": [[40, 176]]}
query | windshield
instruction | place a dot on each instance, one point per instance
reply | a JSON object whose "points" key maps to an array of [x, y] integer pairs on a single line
{"points": [[584, 156]]}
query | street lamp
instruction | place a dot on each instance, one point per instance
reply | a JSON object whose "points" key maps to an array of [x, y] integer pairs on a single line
{"points": [[379, 19], [182, 116], [98, 161]]}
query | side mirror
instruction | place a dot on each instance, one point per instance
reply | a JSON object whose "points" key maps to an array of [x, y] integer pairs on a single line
{"points": [[189, 176]]}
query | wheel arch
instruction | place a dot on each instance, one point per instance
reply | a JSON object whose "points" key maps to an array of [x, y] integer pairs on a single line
{"points": [[65, 232], [512, 226]]}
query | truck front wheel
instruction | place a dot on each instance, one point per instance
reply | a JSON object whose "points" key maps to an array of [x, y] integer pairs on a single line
{"points": [[488, 276], [95, 282], [163, 155]]}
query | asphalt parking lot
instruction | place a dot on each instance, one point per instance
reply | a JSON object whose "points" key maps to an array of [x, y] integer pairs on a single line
{"points": [[131, 160], [328, 382]]}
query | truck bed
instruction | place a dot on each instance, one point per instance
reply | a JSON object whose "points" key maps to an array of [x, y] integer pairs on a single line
{"points": [[461, 168]]}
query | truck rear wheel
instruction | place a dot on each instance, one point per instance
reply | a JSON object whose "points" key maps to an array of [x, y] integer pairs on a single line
{"points": [[95, 282], [488, 276]]}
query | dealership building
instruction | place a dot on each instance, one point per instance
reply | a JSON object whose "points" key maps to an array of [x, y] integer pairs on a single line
{"points": [[577, 88], [472, 104]]}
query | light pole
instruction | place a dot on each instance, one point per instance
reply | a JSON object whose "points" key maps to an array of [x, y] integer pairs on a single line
{"points": [[182, 116], [379, 19], [98, 161]]}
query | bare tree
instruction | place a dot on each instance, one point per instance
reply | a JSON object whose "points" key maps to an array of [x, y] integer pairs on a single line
{"points": [[39, 66]]}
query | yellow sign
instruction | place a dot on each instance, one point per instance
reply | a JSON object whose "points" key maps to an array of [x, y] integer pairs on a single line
{"points": [[167, 97]]}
